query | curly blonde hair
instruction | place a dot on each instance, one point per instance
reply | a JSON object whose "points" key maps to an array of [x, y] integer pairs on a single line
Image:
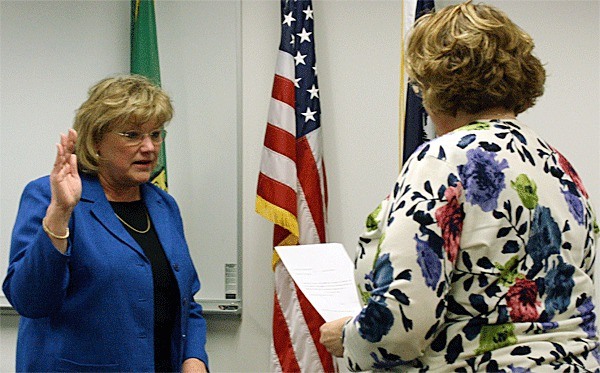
{"points": [[471, 58], [112, 103]]}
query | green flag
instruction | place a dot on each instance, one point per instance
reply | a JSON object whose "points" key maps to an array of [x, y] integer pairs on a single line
{"points": [[144, 61]]}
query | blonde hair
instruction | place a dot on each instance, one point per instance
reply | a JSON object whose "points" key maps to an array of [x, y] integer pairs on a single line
{"points": [[471, 58], [114, 102]]}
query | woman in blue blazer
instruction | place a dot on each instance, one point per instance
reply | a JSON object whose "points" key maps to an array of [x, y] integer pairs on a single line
{"points": [[100, 270]]}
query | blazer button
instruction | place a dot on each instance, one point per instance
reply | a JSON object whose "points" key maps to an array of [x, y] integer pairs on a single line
{"points": [[176, 267]]}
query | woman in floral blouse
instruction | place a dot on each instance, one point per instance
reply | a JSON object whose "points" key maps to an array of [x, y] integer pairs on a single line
{"points": [[481, 258]]}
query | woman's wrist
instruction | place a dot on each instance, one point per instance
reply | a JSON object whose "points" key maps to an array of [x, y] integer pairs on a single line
{"points": [[56, 225], [52, 233], [57, 217]]}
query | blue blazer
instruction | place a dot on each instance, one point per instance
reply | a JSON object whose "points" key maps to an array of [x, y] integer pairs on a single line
{"points": [[91, 309]]}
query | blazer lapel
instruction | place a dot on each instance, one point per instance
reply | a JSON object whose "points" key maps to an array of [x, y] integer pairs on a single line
{"points": [[102, 211], [160, 218]]}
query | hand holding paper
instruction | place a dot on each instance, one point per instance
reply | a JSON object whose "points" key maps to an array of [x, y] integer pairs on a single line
{"points": [[325, 274]]}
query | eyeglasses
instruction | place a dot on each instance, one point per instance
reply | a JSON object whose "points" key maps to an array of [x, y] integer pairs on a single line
{"points": [[135, 138]]}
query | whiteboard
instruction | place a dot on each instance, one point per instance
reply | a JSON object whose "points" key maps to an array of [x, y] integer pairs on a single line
{"points": [[52, 52]]}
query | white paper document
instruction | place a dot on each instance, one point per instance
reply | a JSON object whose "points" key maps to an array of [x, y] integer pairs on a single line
{"points": [[325, 274]]}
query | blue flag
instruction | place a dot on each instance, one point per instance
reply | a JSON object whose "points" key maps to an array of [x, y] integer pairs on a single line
{"points": [[415, 129]]}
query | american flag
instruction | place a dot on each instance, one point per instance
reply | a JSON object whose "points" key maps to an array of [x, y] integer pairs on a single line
{"points": [[292, 188], [415, 124]]}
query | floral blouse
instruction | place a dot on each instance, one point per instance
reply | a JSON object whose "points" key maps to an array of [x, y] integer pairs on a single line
{"points": [[480, 259]]}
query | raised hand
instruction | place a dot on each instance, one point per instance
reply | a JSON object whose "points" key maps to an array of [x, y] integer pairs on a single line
{"points": [[64, 178], [65, 185]]}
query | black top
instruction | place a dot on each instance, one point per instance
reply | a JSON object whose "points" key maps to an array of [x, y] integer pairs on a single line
{"points": [[166, 292]]}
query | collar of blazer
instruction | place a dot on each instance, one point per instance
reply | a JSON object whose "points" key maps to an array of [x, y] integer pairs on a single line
{"points": [[94, 200]]}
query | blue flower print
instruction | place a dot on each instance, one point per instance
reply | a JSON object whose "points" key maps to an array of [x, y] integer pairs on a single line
{"points": [[549, 325], [515, 369], [596, 353], [559, 284], [575, 206], [375, 321], [428, 261], [482, 178], [588, 325], [382, 275], [544, 240]]}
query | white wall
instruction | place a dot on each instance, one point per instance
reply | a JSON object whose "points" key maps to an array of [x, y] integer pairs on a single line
{"points": [[358, 56]]}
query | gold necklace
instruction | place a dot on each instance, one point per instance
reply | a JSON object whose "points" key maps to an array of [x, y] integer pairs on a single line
{"points": [[132, 228]]}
